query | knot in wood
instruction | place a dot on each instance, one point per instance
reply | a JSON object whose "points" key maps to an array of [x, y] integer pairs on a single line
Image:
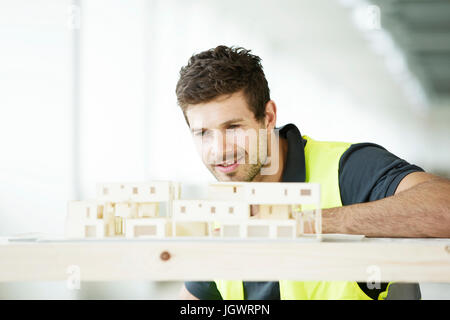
{"points": [[165, 256]]}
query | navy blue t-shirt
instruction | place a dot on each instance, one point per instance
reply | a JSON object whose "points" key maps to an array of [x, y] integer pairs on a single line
{"points": [[367, 172]]}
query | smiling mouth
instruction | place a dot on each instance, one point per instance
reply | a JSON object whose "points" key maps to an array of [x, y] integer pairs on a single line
{"points": [[229, 166]]}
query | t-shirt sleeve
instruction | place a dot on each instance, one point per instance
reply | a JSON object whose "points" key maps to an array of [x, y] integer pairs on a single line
{"points": [[368, 172], [203, 290]]}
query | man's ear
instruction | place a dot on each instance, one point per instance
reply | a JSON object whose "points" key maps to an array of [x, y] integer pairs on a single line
{"points": [[271, 115]]}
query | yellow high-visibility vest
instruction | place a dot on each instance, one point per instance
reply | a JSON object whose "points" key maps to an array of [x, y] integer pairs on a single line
{"points": [[322, 166]]}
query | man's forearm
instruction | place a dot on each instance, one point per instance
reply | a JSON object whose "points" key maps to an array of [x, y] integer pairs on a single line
{"points": [[421, 211]]}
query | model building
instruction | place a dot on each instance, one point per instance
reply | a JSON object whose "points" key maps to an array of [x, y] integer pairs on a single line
{"points": [[231, 210]]}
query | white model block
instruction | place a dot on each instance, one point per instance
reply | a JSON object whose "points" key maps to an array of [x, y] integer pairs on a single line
{"points": [[119, 226], [88, 209], [318, 223], [233, 191], [190, 210], [272, 229], [155, 191], [259, 231], [147, 227], [73, 227], [234, 209], [230, 210], [94, 229], [77, 213], [109, 219], [147, 210], [276, 211], [85, 228], [311, 219], [286, 232], [207, 210], [257, 228], [176, 190], [229, 230], [190, 229], [126, 210], [266, 192]]}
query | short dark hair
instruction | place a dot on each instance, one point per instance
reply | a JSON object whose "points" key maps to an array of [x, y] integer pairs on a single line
{"points": [[223, 70]]}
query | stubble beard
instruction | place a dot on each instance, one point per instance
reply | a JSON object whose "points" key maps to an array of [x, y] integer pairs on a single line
{"points": [[251, 171]]}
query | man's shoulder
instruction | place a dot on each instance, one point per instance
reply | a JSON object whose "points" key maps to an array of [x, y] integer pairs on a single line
{"points": [[368, 172], [326, 142]]}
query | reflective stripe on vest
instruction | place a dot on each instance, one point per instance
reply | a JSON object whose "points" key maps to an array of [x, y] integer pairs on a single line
{"points": [[322, 166]]}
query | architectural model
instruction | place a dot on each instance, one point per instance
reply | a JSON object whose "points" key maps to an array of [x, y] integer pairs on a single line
{"points": [[231, 210]]}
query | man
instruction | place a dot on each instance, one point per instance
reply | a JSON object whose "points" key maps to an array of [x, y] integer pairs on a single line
{"points": [[365, 189]]}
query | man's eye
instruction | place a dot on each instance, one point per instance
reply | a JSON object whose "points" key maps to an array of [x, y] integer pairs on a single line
{"points": [[233, 126], [197, 132], [200, 133]]}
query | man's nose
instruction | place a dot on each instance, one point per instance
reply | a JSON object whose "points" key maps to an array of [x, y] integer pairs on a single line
{"points": [[221, 148]]}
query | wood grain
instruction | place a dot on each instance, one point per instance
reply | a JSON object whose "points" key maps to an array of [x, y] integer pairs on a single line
{"points": [[183, 259]]}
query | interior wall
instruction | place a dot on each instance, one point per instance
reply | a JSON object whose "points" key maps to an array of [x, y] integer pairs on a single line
{"points": [[35, 121]]}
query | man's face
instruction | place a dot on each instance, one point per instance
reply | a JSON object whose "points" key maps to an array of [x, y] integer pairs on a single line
{"points": [[232, 144]]}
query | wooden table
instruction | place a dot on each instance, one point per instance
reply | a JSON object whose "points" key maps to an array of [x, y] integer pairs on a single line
{"points": [[408, 260]]}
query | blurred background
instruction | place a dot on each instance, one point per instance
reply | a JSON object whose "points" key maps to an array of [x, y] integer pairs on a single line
{"points": [[87, 95]]}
